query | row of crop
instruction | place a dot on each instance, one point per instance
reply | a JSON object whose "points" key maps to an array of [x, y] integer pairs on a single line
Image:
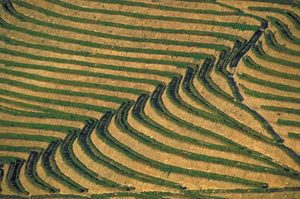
{"points": [[54, 101], [204, 75], [48, 127], [190, 90], [294, 135], [154, 143], [32, 125], [71, 159], [225, 58], [220, 69], [162, 7], [11, 64], [250, 63], [269, 96], [281, 109], [15, 42], [124, 149], [13, 172], [32, 175], [35, 88], [172, 92], [233, 25], [288, 122], [51, 168], [107, 35], [257, 94], [153, 195], [92, 45], [68, 71], [255, 191], [30, 168], [269, 128], [147, 28], [273, 97], [108, 47], [240, 105], [142, 138], [158, 105], [102, 132], [202, 78], [265, 83], [94, 153], [48, 113], [260, 53], [137, 195], [13, 177], [273, 43], [291, 15], [156, 102], [283, 2], [284, 30], [242, 149], [139, 115]]}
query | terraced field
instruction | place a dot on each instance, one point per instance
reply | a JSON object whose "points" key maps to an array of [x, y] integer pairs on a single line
{"points": [[149, 99]]}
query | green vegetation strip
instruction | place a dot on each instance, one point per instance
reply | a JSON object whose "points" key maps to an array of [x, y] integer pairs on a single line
{"points": [[14, 42], [113, 142], [257, 116], [238, 26], [122, 115], [269, 190], [249, 62], [97, 45], [269, 96], [291, 15], [278, 86], [22, 136], [273, 43], [259, 52], [44, 112], [281, 109], [95, 153], [165, 30], [162, 7], [202, 77], [31, 172], [68, 71], [294, 135], [54, 101], [47, 127], [12, 64], [140, 115], [196, 56], [113, 36], [72, 160], [35, 88], [284, 30], [197, 96], [288, 123]]}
